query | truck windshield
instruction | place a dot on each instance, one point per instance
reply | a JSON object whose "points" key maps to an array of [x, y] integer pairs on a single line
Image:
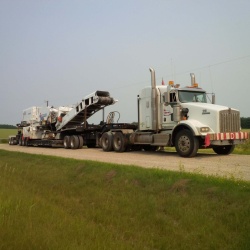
{"points": [[192, 96]]}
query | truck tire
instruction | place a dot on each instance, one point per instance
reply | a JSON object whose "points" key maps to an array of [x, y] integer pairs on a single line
{"points": [[186, 144], [223, 150], [80, 141], [66, 142], [10, 141], [120, 142], [74, 142], [107, 142]]}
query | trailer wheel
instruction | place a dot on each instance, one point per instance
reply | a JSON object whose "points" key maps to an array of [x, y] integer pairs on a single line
{"points": [[107, 142], [119, 142], [25, 142], [223, 150], [186, 144], [20, 141], [74, 141], [80, 141], [66, 141]]}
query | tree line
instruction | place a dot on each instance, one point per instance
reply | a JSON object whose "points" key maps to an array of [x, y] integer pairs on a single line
{"points": [[245, 122], [6, 126]]}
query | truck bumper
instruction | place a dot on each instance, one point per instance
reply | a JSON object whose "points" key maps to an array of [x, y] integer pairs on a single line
{"points": [[226, 138]]}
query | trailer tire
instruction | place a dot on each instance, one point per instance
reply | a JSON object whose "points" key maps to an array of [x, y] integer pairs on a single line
{"points": [[10, 141], [223, 150], [25, 142], [74, 142], [66, 141], [20, 143], [120, 142], [186, 143], [80, 141], [107, 142]]}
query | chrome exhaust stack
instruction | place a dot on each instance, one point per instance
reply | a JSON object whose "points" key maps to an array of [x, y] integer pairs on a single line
{"points": [[153, 83], [154, 104], [192, 79]]}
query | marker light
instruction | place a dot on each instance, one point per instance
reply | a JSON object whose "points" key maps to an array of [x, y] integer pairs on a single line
{"points": [[204, 129]]}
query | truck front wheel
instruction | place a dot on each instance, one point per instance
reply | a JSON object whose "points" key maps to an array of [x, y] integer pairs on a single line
{"points": [[224, 150], [186, 144]]}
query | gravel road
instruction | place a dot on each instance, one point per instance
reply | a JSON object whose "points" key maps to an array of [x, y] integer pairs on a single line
{"points": [[236, 166]]}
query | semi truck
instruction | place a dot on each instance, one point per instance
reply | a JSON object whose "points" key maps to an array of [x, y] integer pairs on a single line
{"points": [[180, 117], [168, 116]]}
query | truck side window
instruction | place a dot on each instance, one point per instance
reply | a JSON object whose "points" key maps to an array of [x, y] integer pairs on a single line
{"points": [[173, 97]]}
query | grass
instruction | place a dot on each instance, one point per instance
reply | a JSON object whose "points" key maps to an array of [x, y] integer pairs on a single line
{"points": [[56, 203], [5, 133]]}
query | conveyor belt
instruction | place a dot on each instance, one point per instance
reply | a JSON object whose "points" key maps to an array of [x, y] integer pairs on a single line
{"points": [[85, 109]]}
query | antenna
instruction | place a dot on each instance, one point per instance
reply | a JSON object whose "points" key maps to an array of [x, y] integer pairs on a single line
{"points": [[211, 79], [173, 74]]}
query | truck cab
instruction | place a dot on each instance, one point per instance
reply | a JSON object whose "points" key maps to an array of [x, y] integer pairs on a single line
{"points": [[187, 120]]}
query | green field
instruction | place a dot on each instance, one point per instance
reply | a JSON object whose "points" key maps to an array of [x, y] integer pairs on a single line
{"points": [[57, 203], [5, 133]]}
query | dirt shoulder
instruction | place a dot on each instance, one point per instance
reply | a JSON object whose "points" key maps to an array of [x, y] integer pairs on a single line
{"points": [[230, 166]]}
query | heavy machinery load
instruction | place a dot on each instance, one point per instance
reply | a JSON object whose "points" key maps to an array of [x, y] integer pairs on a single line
{"points": [[181, 118], [50, 126]]}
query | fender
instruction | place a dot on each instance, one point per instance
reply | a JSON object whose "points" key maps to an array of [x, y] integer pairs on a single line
{"points": [[194, 126]]}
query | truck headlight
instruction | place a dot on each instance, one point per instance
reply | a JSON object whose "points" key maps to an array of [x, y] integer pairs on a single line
{"points": [[204, 129]]}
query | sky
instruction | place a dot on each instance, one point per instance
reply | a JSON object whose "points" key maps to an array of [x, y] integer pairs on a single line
{"points": [[62, 50]]}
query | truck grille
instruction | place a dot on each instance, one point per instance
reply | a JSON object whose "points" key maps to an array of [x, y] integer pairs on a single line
{"points": [[229, 121]]}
